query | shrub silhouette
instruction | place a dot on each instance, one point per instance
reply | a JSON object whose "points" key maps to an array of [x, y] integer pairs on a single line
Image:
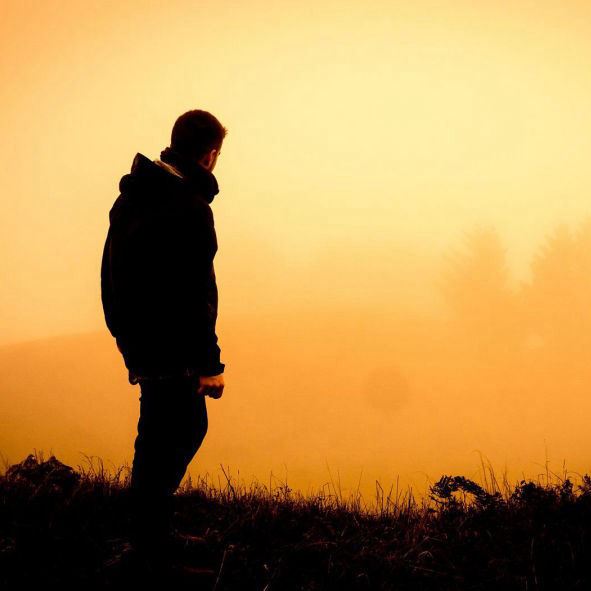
{"points": [[44, 475], [442, 493]]}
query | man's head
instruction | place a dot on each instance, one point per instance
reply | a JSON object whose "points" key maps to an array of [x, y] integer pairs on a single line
{"points": [[198, 136]]}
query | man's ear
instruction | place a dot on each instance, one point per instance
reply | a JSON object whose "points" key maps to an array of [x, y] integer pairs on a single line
{"points": [[208, 159], [212, 156]]}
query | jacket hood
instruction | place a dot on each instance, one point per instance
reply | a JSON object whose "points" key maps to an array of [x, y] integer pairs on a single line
{"points": [[148, 181]]}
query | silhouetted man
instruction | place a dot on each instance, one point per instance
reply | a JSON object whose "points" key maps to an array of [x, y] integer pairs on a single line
{"points": [[160, 301]]}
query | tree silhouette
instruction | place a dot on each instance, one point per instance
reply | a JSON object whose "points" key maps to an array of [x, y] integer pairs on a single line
{"points": [[476, 285], [557, 300]]}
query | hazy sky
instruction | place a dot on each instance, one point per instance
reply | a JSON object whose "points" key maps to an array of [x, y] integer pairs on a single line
{"points": [[351, 124]]}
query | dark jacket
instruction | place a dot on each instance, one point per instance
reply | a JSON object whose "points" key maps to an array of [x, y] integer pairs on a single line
{"points": [[158, 284]]}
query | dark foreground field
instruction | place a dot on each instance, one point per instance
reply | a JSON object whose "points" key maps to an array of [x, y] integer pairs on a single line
{"points": [[63, 528]]}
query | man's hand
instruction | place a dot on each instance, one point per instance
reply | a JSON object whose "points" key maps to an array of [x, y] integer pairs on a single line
{"points": [[211, 385]]}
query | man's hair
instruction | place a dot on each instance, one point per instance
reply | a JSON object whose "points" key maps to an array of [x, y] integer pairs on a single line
{"points": [[197, 132]]}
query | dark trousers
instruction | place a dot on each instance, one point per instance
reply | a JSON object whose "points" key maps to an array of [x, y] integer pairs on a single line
{"points": [[171, 428]]}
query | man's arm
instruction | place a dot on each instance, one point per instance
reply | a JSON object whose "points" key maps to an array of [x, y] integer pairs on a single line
{"points": [[201, 294], [210, 364]]}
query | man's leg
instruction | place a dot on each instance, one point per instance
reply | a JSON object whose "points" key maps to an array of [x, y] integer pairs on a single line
{"points": [[171, 428]]}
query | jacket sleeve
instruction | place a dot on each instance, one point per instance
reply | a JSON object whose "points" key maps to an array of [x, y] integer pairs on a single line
{"points": [[200, 289], [209, 363]]}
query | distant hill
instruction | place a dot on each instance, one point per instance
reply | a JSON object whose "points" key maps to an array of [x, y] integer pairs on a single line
{"points": [[290, 405]]}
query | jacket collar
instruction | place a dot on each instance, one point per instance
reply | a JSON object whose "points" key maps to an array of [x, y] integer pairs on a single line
{"points": [[199, 179]]}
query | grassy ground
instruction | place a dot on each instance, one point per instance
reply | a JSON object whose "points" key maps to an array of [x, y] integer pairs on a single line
{"points": [[61, 527]]}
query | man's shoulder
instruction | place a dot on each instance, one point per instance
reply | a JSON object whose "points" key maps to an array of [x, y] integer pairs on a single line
{"points": [[186, 218], [155, 194], [197, 210], [174, 202]]}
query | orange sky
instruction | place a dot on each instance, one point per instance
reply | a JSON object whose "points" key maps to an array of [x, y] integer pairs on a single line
{"points": [[364, 137], [363, 121]]}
